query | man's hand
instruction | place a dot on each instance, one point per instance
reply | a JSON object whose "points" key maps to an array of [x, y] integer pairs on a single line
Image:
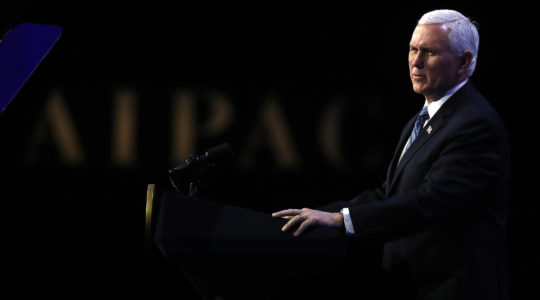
{"points": [[305, 218]]}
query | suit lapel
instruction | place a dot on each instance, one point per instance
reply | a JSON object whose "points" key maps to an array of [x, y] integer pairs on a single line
{"points": [[417, 144], [437, 122], [397, 153]]}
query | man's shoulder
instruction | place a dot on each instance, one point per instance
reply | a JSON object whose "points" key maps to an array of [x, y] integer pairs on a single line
{"points": [[475, 104]]}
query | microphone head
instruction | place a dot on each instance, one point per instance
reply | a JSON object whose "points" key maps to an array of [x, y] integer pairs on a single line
{"points": [[202, 169], [221, 153]]}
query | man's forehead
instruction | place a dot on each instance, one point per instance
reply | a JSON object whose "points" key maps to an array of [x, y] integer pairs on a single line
{"points": [[430, 34]]}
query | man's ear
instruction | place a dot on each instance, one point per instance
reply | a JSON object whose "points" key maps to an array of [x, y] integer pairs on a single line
{"points": [[466, 59]]}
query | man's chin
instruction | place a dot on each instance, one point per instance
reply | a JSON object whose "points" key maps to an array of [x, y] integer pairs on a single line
{"points": [[419, 89]]}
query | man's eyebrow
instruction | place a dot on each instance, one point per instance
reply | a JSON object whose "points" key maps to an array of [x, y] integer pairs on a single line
{"points": [[424, 48], [431, 49]]}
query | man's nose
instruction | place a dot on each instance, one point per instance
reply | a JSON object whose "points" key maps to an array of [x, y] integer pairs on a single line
{"points": [[417, 61]]}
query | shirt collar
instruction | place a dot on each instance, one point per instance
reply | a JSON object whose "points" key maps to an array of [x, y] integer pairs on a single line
{"points": [[435, 105]]}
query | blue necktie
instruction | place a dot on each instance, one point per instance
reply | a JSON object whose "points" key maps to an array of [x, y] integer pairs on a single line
{"points": [[422, 118]]}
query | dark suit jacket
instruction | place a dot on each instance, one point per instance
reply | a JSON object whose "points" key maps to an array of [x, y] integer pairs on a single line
{"points": [[443, 208]]}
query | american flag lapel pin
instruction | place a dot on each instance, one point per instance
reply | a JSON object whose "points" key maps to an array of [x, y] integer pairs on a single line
{"points": [[428, 130]]}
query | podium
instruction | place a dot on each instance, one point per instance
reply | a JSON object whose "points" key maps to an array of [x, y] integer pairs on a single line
{"points": [[234, 252]]}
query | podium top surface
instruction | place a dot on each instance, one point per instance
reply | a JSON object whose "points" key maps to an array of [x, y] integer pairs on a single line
{"points": [[21, 51], [188, 225]]}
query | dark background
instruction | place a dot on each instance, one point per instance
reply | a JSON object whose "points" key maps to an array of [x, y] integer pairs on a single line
{"points": [[75, 228]]}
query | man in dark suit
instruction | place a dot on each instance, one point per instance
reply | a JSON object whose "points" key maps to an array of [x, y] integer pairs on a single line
{"points": [[442, 209]]}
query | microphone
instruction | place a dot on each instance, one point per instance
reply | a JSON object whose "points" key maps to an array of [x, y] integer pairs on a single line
{"points": [[197, 170], [219, 154]]}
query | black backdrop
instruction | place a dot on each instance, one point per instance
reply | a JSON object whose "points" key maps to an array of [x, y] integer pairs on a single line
{"points": [[311, 98]]}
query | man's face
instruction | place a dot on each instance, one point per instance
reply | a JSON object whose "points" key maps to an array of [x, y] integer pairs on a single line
{"points": [[433, 66]]}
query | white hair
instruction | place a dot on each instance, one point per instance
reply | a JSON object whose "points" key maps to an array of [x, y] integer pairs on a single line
{"points": [[463, 34]]}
